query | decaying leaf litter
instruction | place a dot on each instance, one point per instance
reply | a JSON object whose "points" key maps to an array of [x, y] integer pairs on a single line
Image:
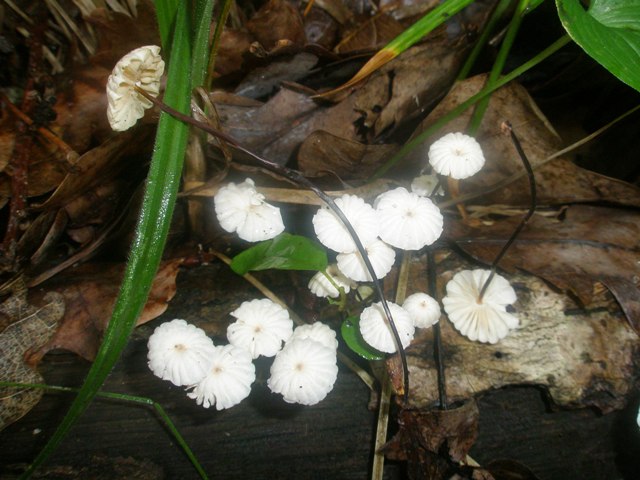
{"points": [[270, 77]]}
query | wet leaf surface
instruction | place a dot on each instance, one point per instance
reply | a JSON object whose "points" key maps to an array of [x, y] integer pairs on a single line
{"points": [[89, 293], [30, 327]]}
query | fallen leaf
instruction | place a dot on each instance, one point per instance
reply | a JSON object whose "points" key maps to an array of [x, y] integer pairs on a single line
{"points": [[322, 152], [371, 34], [589, 244], [434, 442], [90, 293], [321, 28], [558, 181], [277, 20], [31, 326]]}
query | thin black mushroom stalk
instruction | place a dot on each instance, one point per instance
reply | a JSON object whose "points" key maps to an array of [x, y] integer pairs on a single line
{"points": [[300, 180]]}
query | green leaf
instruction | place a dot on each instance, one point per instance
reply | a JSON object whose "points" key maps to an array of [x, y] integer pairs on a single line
{"points": [[350, 330], [609, 32], [284, 252]]}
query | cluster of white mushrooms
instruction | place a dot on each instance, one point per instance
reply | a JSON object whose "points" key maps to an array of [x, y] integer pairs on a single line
{"points": [[304, 370]]}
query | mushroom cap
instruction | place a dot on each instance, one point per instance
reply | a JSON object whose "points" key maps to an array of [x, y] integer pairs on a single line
{"points": [[142, 67], [228, 380], [261, 327], [407, 220], [375, 329], [241, 209], [320, 285], [456, 155], [424, 185], [304, 372], [381, 256], [179, 352], [318, 332], [485, 322], [332, 232], [423, 309]]}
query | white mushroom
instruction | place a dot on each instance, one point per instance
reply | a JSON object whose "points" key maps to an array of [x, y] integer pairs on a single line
{"points": [[320, 285], [485, 320], [381, 256], [332, 232], [261, 327], [407, 220], [425, 184], [179, 352], [304, 371], [241, 209], [228, 380], [376, 331], [423, 308], [142, 68], [456, 155], [318, 332]]}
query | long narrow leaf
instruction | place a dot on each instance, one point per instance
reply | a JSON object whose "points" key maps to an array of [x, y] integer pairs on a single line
{"points": [[153, 225]]}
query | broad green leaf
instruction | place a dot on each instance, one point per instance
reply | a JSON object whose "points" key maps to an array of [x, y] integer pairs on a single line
{"points": [[609, 32], [284, 252], [350, 330]]}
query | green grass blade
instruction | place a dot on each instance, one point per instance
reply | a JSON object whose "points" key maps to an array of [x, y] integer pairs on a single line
{"points": [[166, 11], [561, 42], [498, 65], [153, 223], [126, 398], [484, 38]]}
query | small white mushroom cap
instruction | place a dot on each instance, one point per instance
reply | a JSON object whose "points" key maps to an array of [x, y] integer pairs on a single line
{"points": [[423, 308], [241, 209], [424, 185], [179, 352], [320, 285], [456, 155], [487, 321], [228, 380], [304, 372], [407, 220], [376, 331], [332, 232], [261, 327], [381, 256], [318, 332], [143, 68]]}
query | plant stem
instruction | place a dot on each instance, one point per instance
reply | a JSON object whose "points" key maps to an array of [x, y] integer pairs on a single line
{"points": [[126, 398], [506, 126], [437, 334]]}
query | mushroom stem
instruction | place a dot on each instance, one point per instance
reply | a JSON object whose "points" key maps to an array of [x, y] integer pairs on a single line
{"points": [[437, 337], [304, 182], [506, 127]]}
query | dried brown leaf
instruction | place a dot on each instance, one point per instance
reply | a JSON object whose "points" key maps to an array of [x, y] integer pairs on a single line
{"points": [[90, 293], [370, 34], [322, 152], [31, 326], [559, 181], [434, 442], [275, 21], [587, 245]]}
